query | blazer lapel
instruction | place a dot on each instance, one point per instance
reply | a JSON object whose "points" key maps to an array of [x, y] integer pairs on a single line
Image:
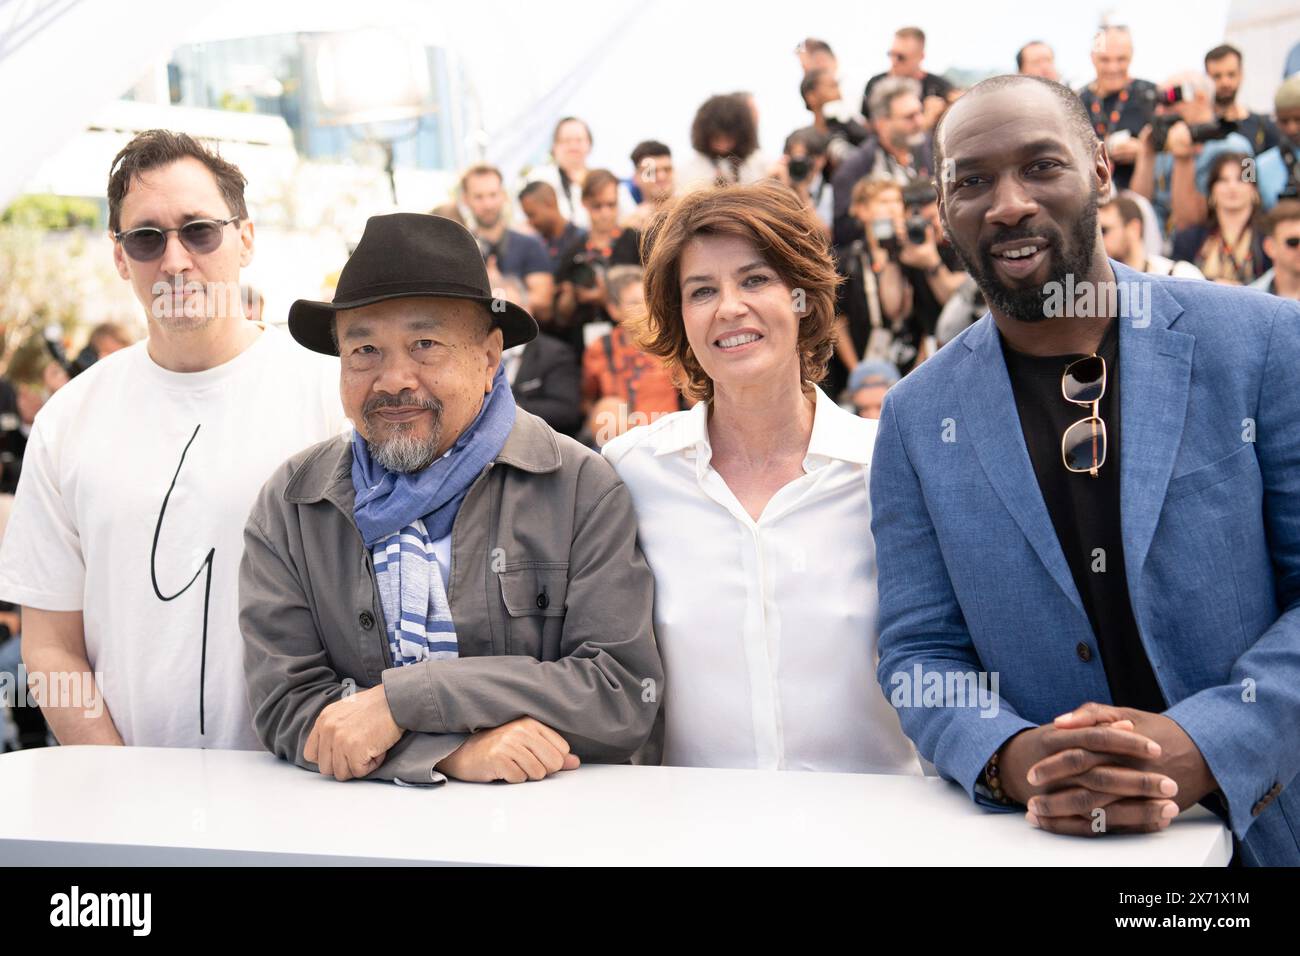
{"points": [[1155, 370], [991, 419]]}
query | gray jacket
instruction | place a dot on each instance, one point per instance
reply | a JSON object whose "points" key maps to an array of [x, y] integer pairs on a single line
{"points": [[550, 595]]}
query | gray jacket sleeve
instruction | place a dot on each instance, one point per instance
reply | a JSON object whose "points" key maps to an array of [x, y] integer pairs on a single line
{"points": [[290, 678], [603, 693]]}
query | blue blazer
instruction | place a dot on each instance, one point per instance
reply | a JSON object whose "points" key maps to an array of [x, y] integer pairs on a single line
{"points": [[972, 577]]}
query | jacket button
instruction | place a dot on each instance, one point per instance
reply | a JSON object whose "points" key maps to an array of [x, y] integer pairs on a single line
{"points": [[543, 601], [367, 620], [1084, 652], [1258, 808]]}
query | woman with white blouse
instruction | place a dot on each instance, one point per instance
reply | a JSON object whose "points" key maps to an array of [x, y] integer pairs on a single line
{"points": [[752, 507]]}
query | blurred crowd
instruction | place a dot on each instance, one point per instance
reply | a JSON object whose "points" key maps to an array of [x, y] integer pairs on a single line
{"points": [[1205, 189]]}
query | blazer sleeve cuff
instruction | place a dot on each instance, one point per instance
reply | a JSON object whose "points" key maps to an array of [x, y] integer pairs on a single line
{"points": [[1243, 783], [981, 738]]}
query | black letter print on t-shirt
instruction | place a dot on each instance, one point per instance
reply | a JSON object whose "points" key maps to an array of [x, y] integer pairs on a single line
{"points": [[206, 565]]}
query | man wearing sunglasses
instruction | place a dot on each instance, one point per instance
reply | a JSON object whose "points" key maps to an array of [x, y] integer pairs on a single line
{"points": [[1282, 244], [1099, 503], [126, 535], [906, 54]]}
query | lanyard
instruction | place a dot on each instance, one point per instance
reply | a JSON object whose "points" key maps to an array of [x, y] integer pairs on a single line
{"points": [[1225, 252], [1103, 128], [606, 250]]}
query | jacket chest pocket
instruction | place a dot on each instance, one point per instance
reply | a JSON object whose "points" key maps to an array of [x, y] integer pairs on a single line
{"points": [[534, 595]]}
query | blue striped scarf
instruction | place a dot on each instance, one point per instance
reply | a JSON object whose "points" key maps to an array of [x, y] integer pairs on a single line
{"points": [[414, 600], [401, 515]]}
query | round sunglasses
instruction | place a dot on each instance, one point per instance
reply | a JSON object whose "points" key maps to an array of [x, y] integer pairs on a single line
{"points": [[199, 236]]}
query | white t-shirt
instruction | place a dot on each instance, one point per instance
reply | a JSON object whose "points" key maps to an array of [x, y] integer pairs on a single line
{"points": [[89, 531]]}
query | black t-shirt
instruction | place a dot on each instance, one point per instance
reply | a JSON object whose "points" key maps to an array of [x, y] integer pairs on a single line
{"points": [[1085, 512], [931, 85], [579, 262], [1128, 109], [554, 247]]}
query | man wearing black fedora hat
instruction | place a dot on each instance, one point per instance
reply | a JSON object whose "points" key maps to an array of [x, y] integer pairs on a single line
{"points": [[454, 590]]}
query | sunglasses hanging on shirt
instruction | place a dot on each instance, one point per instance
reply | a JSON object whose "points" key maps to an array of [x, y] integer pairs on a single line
{"points": [[1083, 446]]}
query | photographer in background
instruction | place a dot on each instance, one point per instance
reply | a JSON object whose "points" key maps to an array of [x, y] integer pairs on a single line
{"points": [[1279, 168], [803, 168], [873, 306], [580, 316], [1223, 67], [1119, 105], [906, 54], [899, 150], [1177, 148], [931, 265], [820, 92]]}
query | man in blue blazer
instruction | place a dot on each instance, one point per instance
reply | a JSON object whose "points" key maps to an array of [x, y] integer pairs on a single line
{"points": [[1089, 501]]}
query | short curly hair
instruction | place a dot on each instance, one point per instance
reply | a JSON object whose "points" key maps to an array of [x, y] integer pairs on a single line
{"points": [[786, 233], [728, 115]]}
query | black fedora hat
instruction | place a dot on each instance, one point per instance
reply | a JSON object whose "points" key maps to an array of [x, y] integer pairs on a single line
{"points": [[403, 255]]}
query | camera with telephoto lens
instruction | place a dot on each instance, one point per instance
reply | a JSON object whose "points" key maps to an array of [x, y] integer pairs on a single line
{"points": [[1160, 127], [1200, 132], [1208, 132], [916, 197], [916, 230]]}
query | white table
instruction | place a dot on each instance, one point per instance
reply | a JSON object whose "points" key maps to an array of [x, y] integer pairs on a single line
{"points": [[130, 806]]}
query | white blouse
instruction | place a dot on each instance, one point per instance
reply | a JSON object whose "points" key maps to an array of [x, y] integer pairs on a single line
{"points": [[767, 628]]}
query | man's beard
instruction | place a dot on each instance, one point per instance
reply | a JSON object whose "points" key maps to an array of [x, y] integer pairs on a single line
{"points": [[205, 302], [404, 452], [1223, 102], [1027, 304], [907, 142]]}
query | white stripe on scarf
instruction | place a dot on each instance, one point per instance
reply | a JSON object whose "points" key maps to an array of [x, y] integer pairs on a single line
{"points": [[416, 613]]}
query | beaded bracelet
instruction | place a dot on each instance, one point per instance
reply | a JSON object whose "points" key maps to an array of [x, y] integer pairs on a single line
{"points": [[993, 781]]}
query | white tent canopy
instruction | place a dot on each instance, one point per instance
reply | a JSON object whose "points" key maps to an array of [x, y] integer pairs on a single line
{"points": [[62, 62], [634, 69]]}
